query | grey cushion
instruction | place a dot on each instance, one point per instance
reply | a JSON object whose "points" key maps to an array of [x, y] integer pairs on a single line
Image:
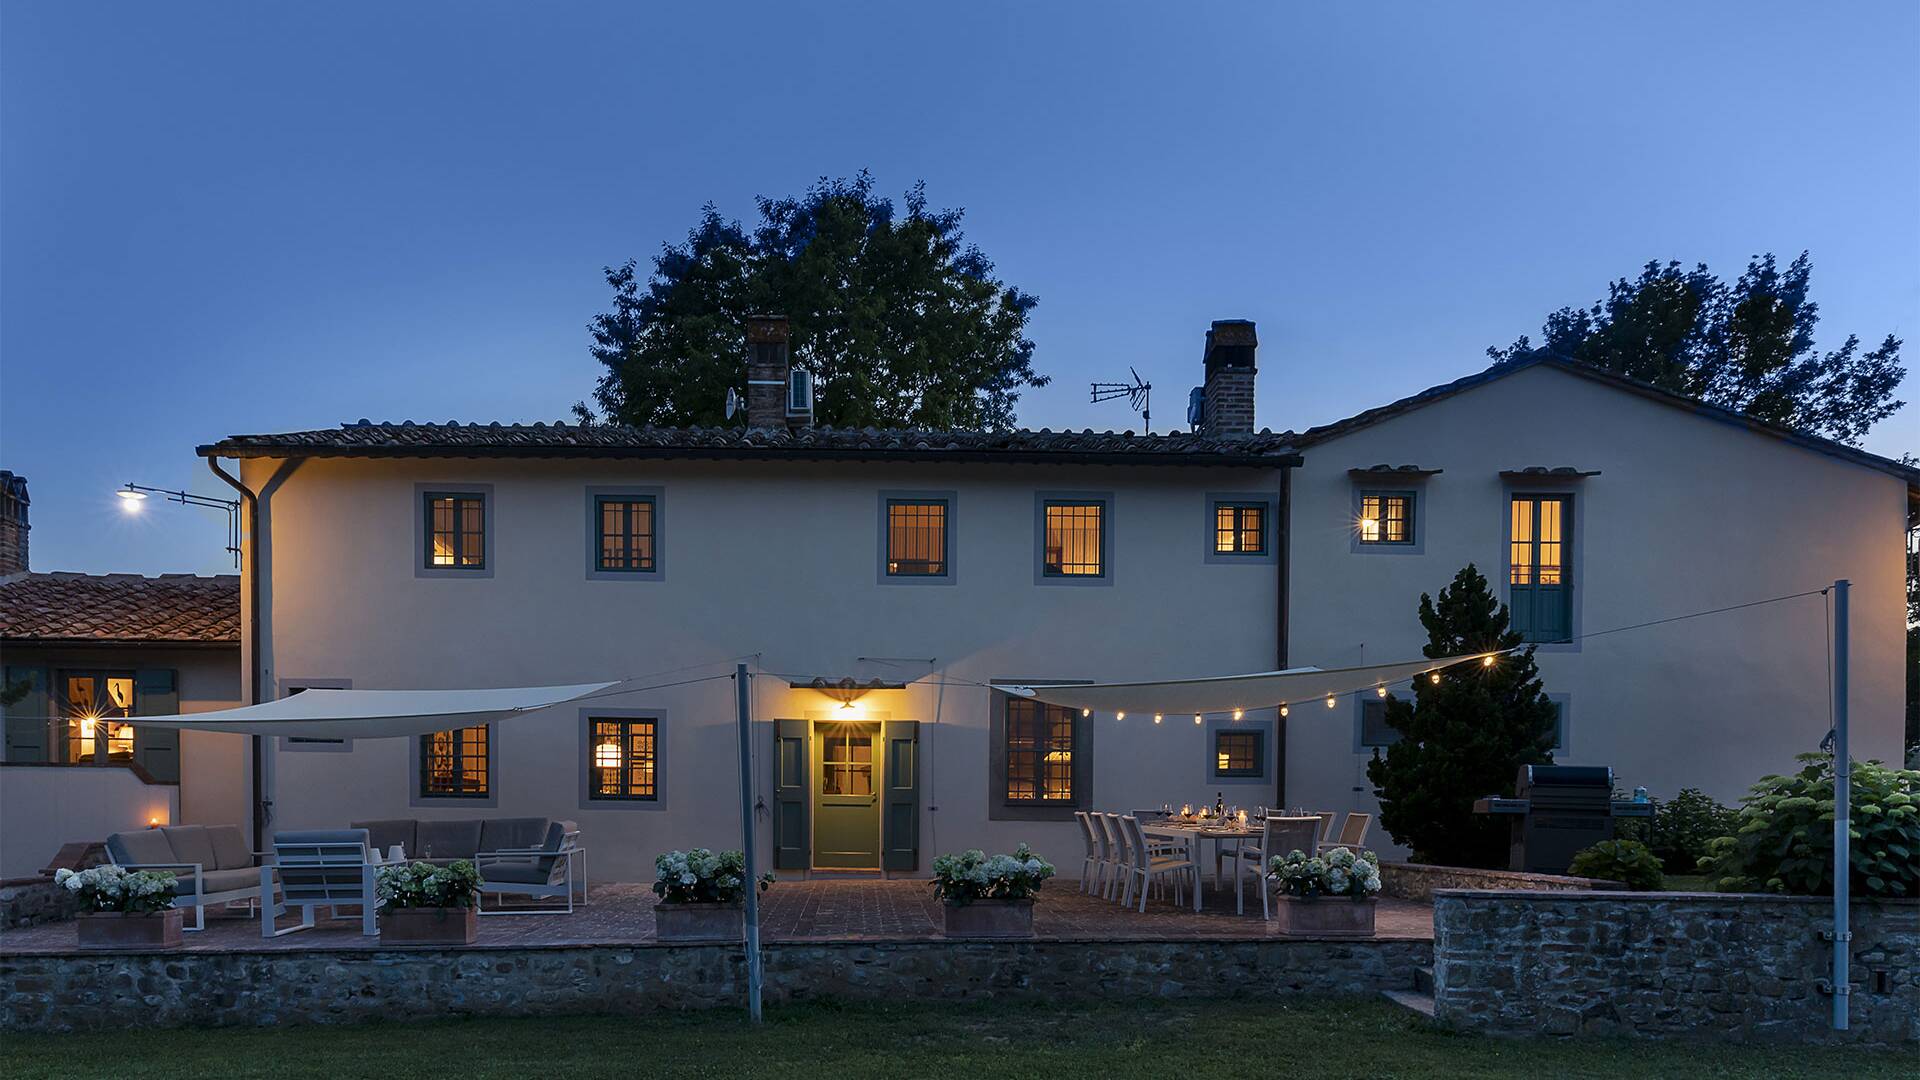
{"points": [[557, 832], [191, 844], [230, 851], [386, 833], [213, 881], [143, 846], [505, 834], [526, 871], [447, 839]]}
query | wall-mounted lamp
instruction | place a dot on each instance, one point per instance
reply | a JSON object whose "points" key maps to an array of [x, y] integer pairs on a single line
{"points": [[134, 496]]}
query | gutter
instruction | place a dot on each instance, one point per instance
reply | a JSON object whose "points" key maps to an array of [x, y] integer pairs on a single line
{"points": [[1283, 558], [251, 630]]}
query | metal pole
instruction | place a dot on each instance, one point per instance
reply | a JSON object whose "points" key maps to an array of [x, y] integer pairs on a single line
{"points": [[1842, 812], [743, 703]]}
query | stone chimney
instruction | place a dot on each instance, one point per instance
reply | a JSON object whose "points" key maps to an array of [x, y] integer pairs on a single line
{"points": [[13, 524], [1229, 389], [767, 369]]}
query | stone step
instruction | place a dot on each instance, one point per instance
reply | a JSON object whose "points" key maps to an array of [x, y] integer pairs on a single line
{"points": [[1408, 999], [1423, 980]]}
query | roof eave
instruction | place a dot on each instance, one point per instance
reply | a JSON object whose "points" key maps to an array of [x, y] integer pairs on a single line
{"points": [[1277, 459]]}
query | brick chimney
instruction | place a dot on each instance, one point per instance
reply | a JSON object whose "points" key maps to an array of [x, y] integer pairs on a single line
{"points": [[13, 523], [767, 368], [1229, 389]]}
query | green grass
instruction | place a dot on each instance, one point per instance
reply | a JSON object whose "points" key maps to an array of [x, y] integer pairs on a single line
{"points": [[1192, 1040]]}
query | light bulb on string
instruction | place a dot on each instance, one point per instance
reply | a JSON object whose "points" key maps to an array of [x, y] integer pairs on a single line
{"points": [[1120, 715], [1086, 712], [1382, 691], [1283, 709], [1157, 718], [1487, 660], [1434, 678], [1196, 718], [1329, 701], [1238, 713]]}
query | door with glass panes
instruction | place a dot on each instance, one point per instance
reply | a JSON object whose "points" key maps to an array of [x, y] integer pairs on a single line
{"points": [[846, 801]]}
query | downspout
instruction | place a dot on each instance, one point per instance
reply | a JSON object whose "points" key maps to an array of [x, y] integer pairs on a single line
{"points": [[253, 646], [1283, 555]]}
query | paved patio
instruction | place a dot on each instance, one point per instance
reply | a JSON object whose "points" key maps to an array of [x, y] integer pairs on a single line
{"points": [[792, 911]]}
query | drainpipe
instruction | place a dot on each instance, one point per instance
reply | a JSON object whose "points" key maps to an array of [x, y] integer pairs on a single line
{"points": [[1283, 556], [253, 646]]}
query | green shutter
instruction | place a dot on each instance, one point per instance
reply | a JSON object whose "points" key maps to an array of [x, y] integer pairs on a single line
{"points": [[27, 719], [900, 809], [790, 848], [155, 693]]}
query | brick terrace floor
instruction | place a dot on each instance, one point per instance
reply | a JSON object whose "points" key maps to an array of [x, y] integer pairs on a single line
{"points": [[792, 911]]}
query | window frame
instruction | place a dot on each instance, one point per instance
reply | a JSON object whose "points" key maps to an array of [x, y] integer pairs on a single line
{"points": [[597, 494], [889, 499], [1229, 772], [420, 796], [1269, 505], [590, 746], [999, 807], [662, 753], [1362, 703], [1263, 722], [1412, 543], [1044, 499], [423, 530], [1572, 551]]}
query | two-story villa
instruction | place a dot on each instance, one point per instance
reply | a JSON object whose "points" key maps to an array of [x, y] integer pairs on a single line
{"points": [[878, 581]]}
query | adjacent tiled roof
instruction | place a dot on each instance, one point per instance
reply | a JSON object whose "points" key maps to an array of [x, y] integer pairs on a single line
{"points": [[1434, 394], [120, 607], [409, 439]]}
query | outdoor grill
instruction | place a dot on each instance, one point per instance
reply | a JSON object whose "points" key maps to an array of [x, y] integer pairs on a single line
{"points": [[1557, 811]]}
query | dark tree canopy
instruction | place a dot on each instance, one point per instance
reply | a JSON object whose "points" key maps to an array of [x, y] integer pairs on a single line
{"points": [[1747, 347], [1463, 737], [900, 320]]}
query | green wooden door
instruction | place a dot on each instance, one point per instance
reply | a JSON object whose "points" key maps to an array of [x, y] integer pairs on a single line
{"points": [[790, 767], [155, 693], [846, 801], [900, 809], [1539, 567], [27, 719]]}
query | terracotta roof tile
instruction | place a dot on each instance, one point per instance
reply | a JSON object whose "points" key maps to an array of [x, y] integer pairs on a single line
{"points": [[120, 607]]}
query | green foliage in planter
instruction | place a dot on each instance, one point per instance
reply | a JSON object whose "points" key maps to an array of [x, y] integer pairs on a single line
{"points": [[1628, 861], [702, 876], [1784, 840], [974, 875], [110, 888], [424, 885]]}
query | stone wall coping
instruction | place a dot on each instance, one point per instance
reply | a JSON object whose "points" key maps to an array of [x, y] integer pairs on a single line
{"points": [[1560, 881], [1552, 896]]}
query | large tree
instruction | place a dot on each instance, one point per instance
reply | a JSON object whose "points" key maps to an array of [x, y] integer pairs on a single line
{"points": [[1463, 736], [900, 320], [1746, 346]]}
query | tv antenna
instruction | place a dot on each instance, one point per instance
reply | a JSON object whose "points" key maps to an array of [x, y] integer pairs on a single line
{"points": [[1138, 393]]}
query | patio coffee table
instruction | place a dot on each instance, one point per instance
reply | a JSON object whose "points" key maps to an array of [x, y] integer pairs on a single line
{"points": [[1193, 836]]}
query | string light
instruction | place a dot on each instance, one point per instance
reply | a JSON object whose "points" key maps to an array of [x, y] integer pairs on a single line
{"points": [[1196, 718], [1487, 660], [1283, 708], [1120, 716], [1382, 691], [1157, 718], [1329, 701], [1238, 713], [1086, 712], [1434, 678]]}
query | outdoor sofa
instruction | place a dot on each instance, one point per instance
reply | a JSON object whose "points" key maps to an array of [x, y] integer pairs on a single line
{"points": [[531, 856], [212, 864]]}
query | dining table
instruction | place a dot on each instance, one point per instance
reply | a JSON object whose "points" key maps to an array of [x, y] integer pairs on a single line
{"points": [[1193, 835]]}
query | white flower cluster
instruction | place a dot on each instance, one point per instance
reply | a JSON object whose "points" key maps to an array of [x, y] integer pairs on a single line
{"points": [[974, 875], [110, 888], [1341, 872], [700, 875]]}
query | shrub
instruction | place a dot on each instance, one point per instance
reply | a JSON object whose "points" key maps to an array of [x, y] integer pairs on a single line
{"points": [[1337, 873], [1683, 827], [974, 875], [701, 876], [110, 888], [1784, 840], [1628, 861], [424, 885]]}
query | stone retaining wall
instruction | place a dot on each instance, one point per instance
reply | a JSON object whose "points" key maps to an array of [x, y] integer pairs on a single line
{"points": [[1418, 881], [79, 991], [32, 901], [1699, 965]]}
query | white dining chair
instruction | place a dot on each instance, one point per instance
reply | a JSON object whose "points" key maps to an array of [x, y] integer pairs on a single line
{"points": [[1327, 818], [1146, 866], [1115, 876], [1278, 836], [1091, 866], [1353, 834]]}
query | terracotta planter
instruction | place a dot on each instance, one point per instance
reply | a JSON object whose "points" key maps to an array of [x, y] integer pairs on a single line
{"points": [[428, 926], [700, 922], [990, 919], [1325, 917], [130, 929]]}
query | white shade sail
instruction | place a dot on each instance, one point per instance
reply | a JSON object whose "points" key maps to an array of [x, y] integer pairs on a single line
{"points": [[374, 714], [1225, 693]]}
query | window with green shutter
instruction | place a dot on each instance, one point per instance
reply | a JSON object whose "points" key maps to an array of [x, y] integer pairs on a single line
{"points": [[1539, 567]]}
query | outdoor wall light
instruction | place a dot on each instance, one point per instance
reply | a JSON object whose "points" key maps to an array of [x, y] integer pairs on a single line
{"points": [[133, 495]]}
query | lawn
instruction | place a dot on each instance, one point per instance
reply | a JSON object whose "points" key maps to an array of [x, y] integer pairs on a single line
{"points": [[1192, 1040]]}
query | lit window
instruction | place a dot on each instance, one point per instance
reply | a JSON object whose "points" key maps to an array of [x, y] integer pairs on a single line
{"points": [[1238, 753], [846, 760], [456, 531], [916, 538], [454, 764], [1075, 538], [625, 756], [1240, 528], [1386, 517], [96, 706], [626, 534], [1539, 585], [1039, 752]]}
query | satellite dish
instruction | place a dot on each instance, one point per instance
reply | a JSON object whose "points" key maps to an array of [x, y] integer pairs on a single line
{"points": [[733, 402]]}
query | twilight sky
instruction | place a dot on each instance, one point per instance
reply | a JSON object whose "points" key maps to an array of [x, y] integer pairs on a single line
{"points": [[221, 218]]}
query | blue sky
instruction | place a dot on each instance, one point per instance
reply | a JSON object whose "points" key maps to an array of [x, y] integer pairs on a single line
{"points": [[235, 218]]}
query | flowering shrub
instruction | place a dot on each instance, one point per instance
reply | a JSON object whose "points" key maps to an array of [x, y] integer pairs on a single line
{"points": [[974, 875], [424, 885], [1339, 872], [109, 888], [701, 876], [1783, 839]]}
